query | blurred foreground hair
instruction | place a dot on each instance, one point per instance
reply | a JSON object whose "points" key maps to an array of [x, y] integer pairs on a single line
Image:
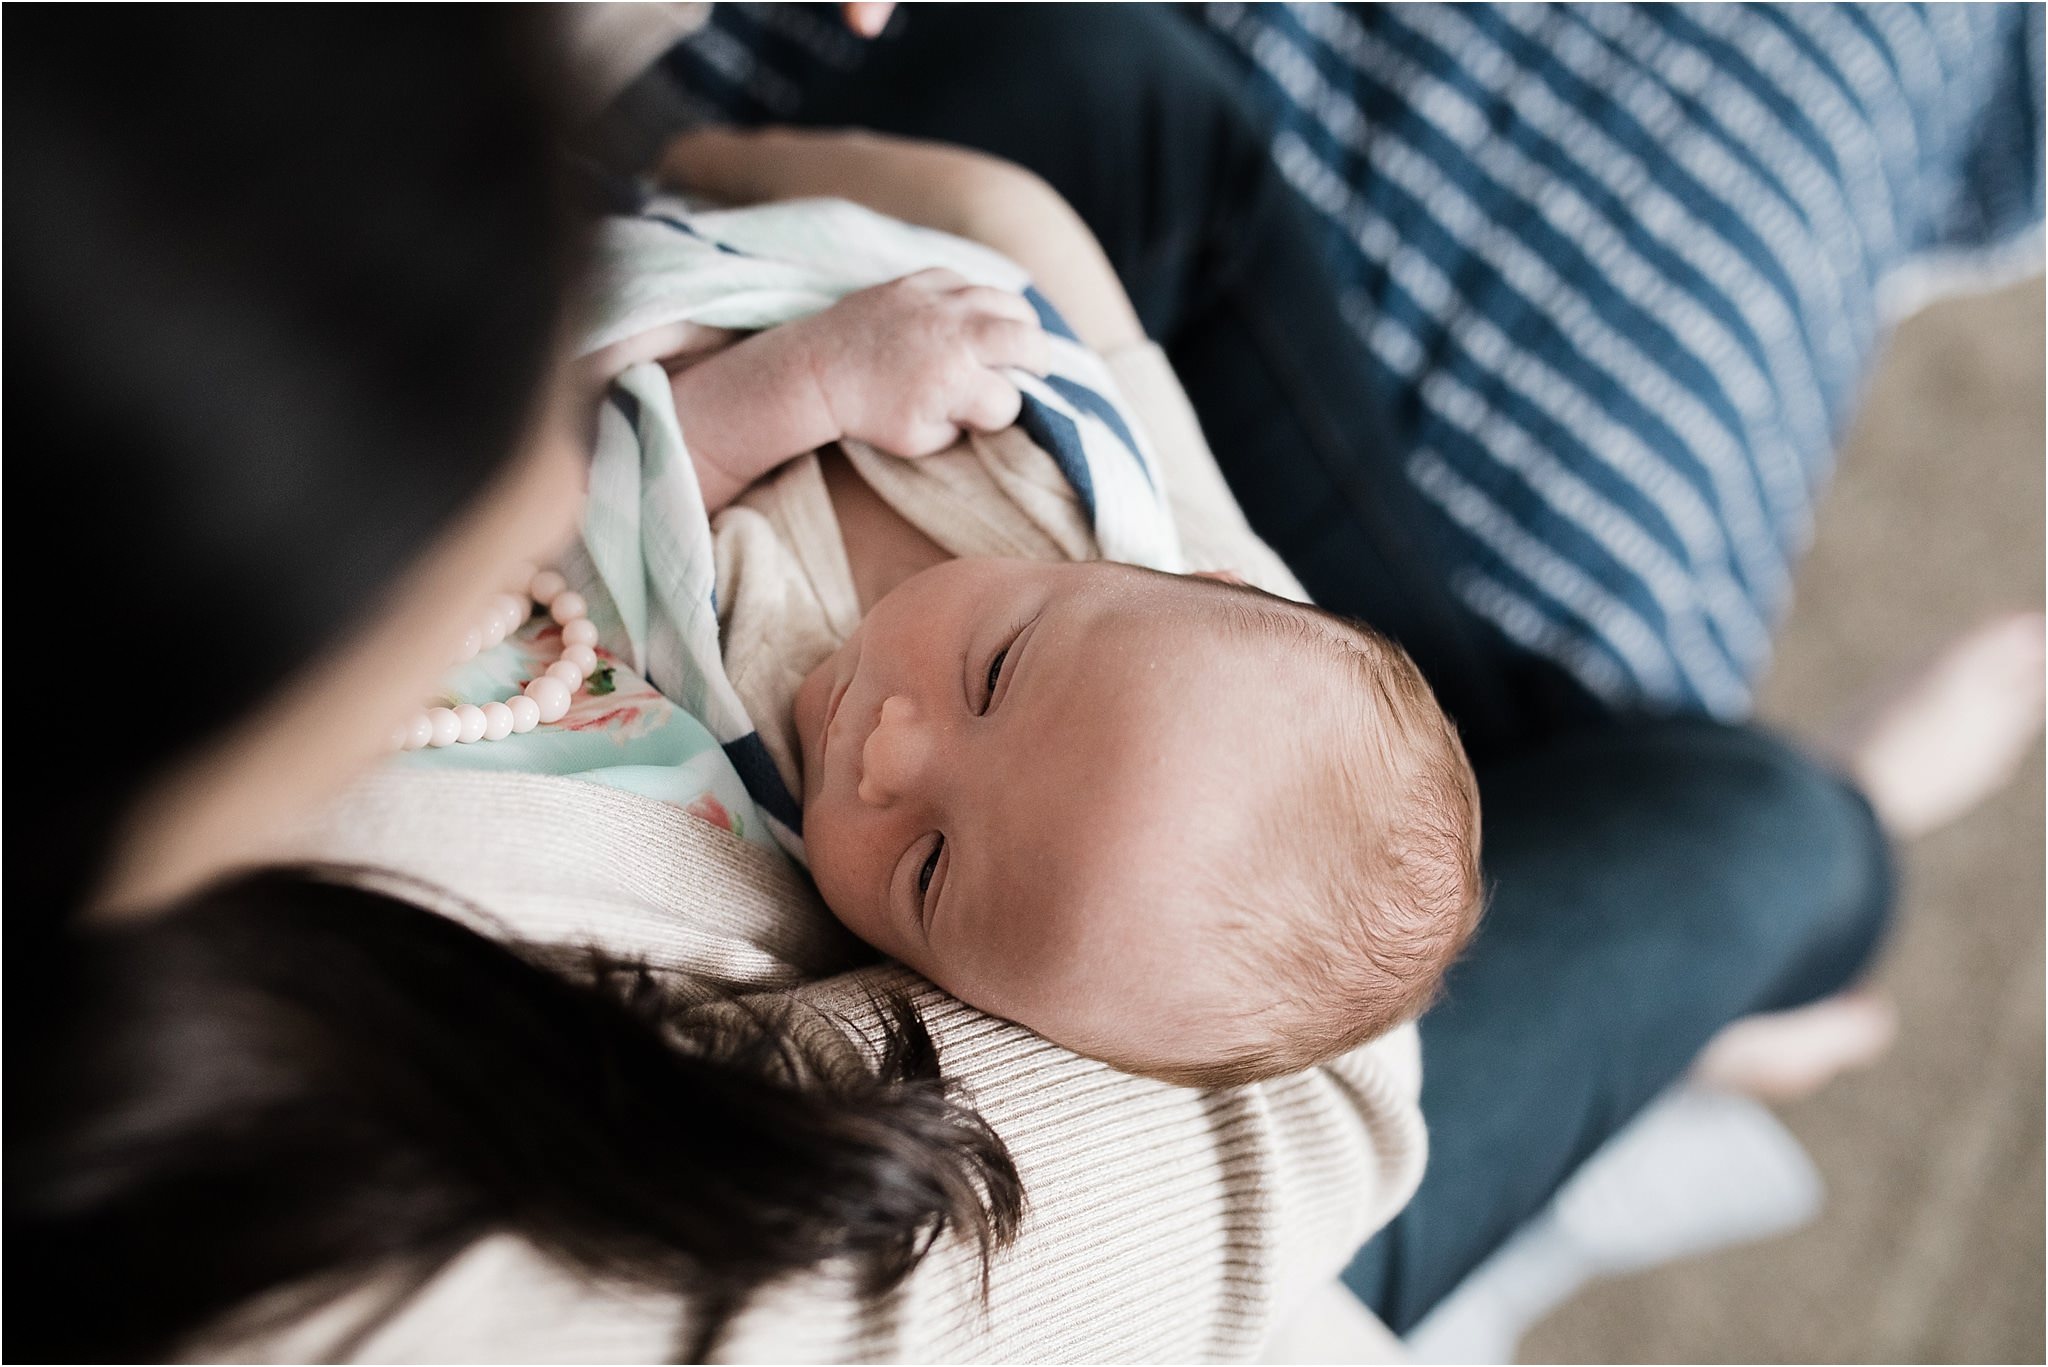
{"points": [[309, 1087], [284, 285]]}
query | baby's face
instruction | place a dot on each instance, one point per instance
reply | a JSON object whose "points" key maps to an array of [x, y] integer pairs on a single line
{"points": [[1010, 763]]}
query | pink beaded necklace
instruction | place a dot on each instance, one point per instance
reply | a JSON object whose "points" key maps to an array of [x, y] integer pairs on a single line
{"points": [[545, 697]]}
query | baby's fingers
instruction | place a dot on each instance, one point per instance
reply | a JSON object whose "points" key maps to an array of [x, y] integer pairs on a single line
{"points": [[988, 403], [936, 280], [1002, 303], [1000, 342]]}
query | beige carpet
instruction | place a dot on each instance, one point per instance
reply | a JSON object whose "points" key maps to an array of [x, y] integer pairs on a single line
{"points": [[1930, 1249]]}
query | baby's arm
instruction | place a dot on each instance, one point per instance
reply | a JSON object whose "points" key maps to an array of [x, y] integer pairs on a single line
{"points": [[902, 366]]}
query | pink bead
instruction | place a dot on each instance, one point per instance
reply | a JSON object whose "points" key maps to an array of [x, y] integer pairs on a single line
{"points": [[545, 585], [583, 657], [498, 720], [472, 642], [472, 718], [398, 737], [525, 713], [512, 611], [447, 727], [550, 695], [581, 632], [569, 674], [419, 732], [521, 575], [494, 632], [567, 607]]}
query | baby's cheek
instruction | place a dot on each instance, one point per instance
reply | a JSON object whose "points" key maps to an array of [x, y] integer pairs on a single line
{"points": [[846, 879]]}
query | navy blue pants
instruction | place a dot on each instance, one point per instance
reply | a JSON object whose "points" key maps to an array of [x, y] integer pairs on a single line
{"points": [[1650, 880]]}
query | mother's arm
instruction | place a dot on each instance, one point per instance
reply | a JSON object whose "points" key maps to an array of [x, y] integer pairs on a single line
{"points": [[1161, 1223]]}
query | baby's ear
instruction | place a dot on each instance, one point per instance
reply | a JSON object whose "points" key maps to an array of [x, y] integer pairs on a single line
{"points": [[1222, 576]]}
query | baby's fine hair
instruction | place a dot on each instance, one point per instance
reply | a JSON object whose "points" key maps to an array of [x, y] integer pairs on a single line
{"points": [[1356, 892]]}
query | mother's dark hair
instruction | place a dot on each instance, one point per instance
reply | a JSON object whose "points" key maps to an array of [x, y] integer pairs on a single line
{"points": [[282, 286]]}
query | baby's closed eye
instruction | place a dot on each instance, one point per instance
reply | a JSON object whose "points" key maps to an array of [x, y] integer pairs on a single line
{"points": [[995, 674]]}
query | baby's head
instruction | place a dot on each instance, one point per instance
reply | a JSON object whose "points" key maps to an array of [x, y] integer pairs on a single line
{"points": [[1170, 822]]}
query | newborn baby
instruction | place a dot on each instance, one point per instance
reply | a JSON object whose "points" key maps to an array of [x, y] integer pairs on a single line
{"points": [[1173, 822]]}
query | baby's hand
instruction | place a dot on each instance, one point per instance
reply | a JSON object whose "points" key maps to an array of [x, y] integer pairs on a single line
{"points": [[904, 366]]}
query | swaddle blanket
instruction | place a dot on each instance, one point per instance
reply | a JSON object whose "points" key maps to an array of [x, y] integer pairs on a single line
{"points": [[645, 528]]}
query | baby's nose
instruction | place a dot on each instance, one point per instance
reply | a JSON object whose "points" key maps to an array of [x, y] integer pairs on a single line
{"points": [[895, 755]]}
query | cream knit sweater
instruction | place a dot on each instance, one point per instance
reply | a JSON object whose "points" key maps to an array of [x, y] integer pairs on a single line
{"points": [[1162, 1223]]}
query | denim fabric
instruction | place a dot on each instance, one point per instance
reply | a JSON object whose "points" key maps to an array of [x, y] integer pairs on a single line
{"points": [[1649, 884]]}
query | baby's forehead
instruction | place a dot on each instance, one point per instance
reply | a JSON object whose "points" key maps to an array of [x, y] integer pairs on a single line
{"points": [[1164, 743], [1196, 658]]}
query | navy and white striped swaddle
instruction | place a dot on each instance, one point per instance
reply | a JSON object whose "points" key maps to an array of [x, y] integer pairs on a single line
{"points": [[645, 530]]}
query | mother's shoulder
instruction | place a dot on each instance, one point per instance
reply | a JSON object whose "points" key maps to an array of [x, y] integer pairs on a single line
{"points": [[564, 862]]}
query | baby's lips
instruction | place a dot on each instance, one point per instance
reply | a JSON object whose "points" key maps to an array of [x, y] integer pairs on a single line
{"points": [[831, 711]]}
